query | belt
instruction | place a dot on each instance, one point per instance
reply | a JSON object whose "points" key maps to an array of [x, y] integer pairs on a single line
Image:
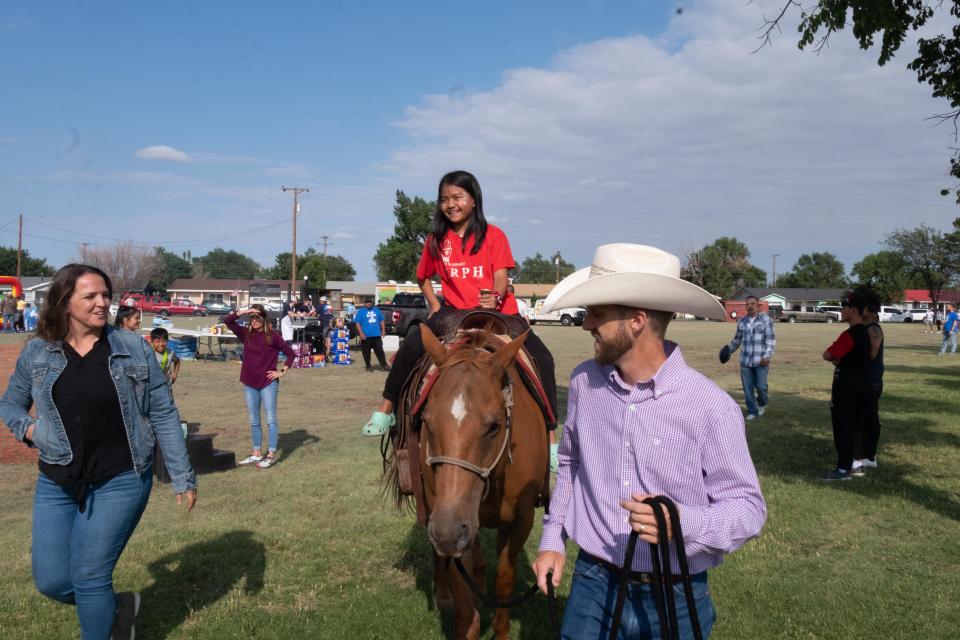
{"points": [[637, 577]]}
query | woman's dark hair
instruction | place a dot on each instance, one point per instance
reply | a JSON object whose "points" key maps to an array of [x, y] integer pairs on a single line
{"points": [[124, 312], [54, 323], [267, 332], [477, 224]]}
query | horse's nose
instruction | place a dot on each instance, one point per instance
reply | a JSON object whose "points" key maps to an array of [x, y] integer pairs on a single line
{"points": [[449, 539]]}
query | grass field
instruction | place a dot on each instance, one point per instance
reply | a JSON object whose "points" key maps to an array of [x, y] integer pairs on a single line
{"points": [[311, 549]]}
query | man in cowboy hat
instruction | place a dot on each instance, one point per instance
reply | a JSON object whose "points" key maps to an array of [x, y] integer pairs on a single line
{"points": [[641, 422]]}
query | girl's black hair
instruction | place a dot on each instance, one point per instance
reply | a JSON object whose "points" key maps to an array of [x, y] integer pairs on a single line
{"points": [[124, 312], [477, 224]]}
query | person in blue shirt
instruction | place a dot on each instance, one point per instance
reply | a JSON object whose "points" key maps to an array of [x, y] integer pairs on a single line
{"points": [[951, 326], [370, 328]]}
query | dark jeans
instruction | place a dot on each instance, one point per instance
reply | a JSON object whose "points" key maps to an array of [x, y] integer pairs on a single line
{"points": [[846, 413], [870, 423], [376, 344], [411, 350]]}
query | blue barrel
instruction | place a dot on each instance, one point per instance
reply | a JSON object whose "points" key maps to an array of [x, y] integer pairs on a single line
{"points": [[184, 347]]}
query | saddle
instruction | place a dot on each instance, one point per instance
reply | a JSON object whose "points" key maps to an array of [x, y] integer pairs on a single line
{"points": [[405, 435]]}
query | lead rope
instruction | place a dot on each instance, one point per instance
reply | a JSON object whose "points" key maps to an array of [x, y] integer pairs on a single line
{"points": [[662, 577]]}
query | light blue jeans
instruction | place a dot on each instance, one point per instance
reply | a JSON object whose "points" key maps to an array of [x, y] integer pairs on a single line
{"points": [[588, 612], [952, 339], [74, 553], [268, 398], [754, 381]]}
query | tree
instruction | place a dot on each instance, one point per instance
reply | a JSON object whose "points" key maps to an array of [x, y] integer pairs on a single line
{"points": [[815, 271], [397, 258], [539, 270], [929, 255], [227, 265], [170, 267], [129, 266], [886, 273], [28, 266], [722, 267], [321, 270], [938, 57]]}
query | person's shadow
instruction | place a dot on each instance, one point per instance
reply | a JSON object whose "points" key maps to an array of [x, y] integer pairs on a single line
{"points": [[290, 441], [197, 576]]}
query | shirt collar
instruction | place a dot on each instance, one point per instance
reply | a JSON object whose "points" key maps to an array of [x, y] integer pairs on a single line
{"points": [[661, 380]]}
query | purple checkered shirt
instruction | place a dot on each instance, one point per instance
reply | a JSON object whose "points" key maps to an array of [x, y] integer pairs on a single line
{"points": [[679, 435]]}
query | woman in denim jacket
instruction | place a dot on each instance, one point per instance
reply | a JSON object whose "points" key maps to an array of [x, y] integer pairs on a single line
{"points": [[101, 402]]}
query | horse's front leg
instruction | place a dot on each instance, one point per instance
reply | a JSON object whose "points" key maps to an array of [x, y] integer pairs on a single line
{"points": [[466, 618], [510, 541]]}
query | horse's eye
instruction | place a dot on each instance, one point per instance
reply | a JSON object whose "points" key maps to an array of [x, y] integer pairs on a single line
{"points": [[493, 427]]}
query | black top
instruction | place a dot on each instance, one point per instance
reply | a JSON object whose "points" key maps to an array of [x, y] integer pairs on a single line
{"points": [[853, 370], [876, 365], [86, 399]]}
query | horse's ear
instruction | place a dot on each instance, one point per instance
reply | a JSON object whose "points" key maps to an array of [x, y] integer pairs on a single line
{"points": [[506, 354], [432, 345]]}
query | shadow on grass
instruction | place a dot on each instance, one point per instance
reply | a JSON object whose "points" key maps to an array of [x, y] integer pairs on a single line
{"points": [[529, 621], [290, 441], [795, 441], [197, 576]]}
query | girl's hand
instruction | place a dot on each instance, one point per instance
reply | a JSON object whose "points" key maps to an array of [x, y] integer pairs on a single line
{"points": [[274, 375], [487, 299], [433, 309]]}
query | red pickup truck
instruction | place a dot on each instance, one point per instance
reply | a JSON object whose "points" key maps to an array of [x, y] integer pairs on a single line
{"points": [[161, 306]]}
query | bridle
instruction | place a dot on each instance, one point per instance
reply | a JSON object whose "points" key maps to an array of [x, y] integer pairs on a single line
{"points": [[484, 472]]}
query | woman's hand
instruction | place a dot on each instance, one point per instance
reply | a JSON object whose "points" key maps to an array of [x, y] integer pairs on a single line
{"points": [[28, 435], [434, 307], [487, 299], [247, 311], [275, 375], [191, 495]]}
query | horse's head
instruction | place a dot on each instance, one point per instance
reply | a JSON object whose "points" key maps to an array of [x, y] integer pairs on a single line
{"points": [[466, 431]]}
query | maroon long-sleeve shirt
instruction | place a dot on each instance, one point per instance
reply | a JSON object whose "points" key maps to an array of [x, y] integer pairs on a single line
{"points": [[258, 356]]}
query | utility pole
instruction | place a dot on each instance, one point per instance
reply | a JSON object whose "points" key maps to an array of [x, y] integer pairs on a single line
{"points": [[296, 209], [773, 270], [556, 261], [19, 244], [326, 241]]}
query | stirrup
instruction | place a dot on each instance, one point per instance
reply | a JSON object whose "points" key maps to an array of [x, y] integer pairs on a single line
{"points": [[379, 424]]}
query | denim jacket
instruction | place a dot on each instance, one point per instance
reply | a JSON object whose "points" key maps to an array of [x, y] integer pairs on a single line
{"points": [[149, 414]]}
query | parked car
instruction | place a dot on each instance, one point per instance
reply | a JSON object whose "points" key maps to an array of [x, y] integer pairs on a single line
{"points": [[572, 316], [833, 310], [406, 310], [217, 307], [806, 313], [891, 314], [159, 305], [914, 315]]}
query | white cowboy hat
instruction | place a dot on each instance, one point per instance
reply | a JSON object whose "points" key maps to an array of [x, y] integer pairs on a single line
{"points": [[634, 275]]}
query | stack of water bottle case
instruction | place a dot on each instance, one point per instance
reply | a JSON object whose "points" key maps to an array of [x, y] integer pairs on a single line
{"points": [[340, 344]]}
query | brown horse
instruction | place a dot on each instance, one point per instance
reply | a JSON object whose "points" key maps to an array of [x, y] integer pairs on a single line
{"points": [[484, 464]]}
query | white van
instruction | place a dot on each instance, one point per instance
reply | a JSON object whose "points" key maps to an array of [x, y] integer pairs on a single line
{"points": [[891, 314]]}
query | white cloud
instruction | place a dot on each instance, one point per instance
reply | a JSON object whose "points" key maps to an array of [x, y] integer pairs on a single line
{"points": [[497, 219], [343, 235], [162, 152], [679, 140]]}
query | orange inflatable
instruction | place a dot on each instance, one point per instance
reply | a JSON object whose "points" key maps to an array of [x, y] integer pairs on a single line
{"points": [[14, 283]]}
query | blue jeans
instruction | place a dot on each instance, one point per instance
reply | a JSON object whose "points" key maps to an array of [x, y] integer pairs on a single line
{"points": [[268, 397], [588, 613], [74, 553], [754, 381], [952, 339]]}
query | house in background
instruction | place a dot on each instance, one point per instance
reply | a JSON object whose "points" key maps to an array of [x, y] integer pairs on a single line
{"points": [[786, 298], [920, 299]]}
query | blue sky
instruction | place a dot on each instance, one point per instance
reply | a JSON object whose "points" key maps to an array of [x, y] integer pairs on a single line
{"points": [[586, 122]]}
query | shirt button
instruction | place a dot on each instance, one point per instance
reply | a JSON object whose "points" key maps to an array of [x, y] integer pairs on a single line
{"points": [[626, 483], [626, 444], [633, 407]]}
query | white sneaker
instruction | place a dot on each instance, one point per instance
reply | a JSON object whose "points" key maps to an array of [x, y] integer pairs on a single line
{"points": [[250, 459], [761, 411], [268, 461], [750, 416], [868, 463]]}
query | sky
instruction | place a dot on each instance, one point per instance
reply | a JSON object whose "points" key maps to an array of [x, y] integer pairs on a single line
{"points": [[586, 122]]}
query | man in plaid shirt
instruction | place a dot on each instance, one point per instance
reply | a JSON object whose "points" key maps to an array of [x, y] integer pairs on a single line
{"points": [[755, 333]]}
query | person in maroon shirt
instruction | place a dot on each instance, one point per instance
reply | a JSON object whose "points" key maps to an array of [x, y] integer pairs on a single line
{"points": [[261, 378], [472, 259]]}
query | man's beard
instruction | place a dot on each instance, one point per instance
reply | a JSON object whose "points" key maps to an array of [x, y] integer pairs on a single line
{"points": [[608, 352]]}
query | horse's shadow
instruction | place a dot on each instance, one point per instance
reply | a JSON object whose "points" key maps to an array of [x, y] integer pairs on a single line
{"points": [[197, 576], [531, 619]]}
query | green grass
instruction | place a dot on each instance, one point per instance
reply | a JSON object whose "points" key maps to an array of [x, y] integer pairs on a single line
{"points": [[311, 549]]}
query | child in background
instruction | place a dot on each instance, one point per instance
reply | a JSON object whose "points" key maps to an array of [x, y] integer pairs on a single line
{"points": [[168, 360]]}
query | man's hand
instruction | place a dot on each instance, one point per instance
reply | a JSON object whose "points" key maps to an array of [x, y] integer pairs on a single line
{"points": [[764, 362], [641, 518], [191, 495], [546, 562]]}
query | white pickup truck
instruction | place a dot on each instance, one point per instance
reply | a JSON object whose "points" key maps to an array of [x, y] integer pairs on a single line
{"points": [[571, 316]]}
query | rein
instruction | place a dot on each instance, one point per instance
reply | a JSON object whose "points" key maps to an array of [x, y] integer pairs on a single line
{"points": [[662, 582], [484, 472]]}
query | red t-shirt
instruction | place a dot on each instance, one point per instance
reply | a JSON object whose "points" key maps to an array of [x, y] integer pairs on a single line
{"points": [[841, 346], [462, 275]]}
